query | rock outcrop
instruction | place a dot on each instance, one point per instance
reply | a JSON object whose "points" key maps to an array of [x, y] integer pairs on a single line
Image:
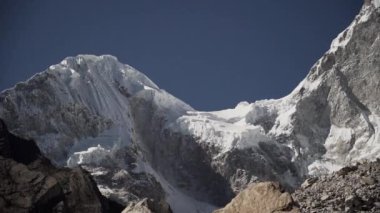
{"points": [[264, 197], [30, 183], [147, 206], [351, 189]]}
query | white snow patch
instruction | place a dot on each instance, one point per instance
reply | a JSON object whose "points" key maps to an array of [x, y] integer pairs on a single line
{"points": [[364, 17], [344, 146], [338, 143], [120, 196], [283, 122], [238, 112], [376, 3], [178, 201], [368, 146], [99, 171], [74, 74], [93, 156], [226, 129], [79, 59], [321, 167], [342, 39], [64, 62], [148, 88]]}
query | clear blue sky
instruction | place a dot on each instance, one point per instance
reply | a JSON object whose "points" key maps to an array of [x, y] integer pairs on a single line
{"points": [[209, 53]]}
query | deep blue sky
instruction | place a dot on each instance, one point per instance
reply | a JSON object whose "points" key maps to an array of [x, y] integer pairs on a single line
{"points": [[209, 53]]}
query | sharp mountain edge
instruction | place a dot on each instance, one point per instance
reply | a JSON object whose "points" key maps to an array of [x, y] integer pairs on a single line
{"points": [[138, 141]]}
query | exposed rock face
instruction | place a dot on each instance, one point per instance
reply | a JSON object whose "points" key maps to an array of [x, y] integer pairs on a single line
{"points": [[30, 183], [140, 207], [23, 190], [147, 206], [133, 186], [264, 197], [351, 189]]}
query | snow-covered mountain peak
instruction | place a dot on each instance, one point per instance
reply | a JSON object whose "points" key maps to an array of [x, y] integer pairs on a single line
{"points": [[106, 67], [135, 137], [327, 120], [80, 97]]}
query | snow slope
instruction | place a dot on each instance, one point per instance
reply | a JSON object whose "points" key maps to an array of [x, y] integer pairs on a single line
{"points": [[330, 120], [79, 112]]}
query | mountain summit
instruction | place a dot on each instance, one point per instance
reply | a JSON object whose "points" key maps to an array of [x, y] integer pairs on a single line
{"points": [[138, 141]]}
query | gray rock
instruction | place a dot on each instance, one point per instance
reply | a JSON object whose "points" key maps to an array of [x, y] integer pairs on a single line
{"points": [[368, 180], [309, 182], [342, 193], [325, 197]]}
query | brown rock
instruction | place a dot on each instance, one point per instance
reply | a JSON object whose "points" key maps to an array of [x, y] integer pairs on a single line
{"points": [[30, 183], [368, 181], [139, 207], [261, 198], [325, 197], [148, 206], [23, 189]]}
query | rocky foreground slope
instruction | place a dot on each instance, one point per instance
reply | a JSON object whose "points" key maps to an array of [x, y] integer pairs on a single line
{"points": [[30, 183], [352, 189], [138, 141]]}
